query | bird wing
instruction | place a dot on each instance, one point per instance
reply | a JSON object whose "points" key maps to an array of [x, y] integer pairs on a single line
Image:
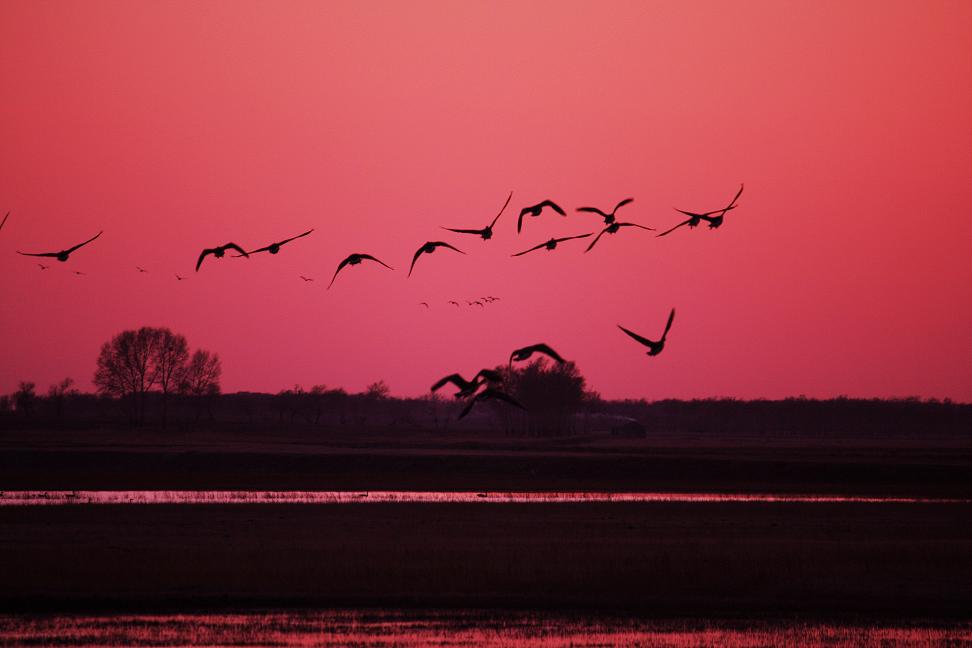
{"points": [[203, 256], [70, 250], [667, 232], [535, 247], [39, 254], [519, 222], [638, 338], [569, 238], [671, 318], [371, 258], [623, 203], [469, 406], [503, 396], [340, 265], [736, 197], [444, 244], [508, 198], [594, 242], [415, 258], [295, 237], [8, 216], [464, 231], [554, 206], [489, 374], [592, 210], [455, 379], [644, 227], [234, 246], [545, 349], [688, 213]]}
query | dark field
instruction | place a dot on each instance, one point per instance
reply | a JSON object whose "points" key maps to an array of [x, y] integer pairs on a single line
{"points": [[657, 559]]}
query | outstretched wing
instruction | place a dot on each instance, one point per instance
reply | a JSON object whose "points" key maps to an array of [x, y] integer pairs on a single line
{"points": [[70, 250], [623, 203], [203, 256], [592, 210], [594, 242], [667, 232], [519, 222], [371, 258], [644, 227], [489, 374], [546, 350], [295, 237], [503, 396], [508, 198], [444, 244], [234, 246], [38, 254], [732, 204], [340, 265], [554, 206], [671, 318], [414, 259], [464, 231], [638, 338], [455, 379], [469, 406], [570, 238], [535, 247], [8, 216]]}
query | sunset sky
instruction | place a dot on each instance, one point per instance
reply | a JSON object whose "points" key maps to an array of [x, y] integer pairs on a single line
{"points": [[173, 126]]}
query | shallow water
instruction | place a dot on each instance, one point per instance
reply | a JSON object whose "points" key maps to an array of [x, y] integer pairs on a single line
{"points": [[471, 628], [50, 498]]}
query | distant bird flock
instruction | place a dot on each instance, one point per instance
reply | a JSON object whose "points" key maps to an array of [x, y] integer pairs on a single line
{"points": [[485, 385]]}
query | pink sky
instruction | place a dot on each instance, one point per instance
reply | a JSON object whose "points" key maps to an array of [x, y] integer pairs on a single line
{"points": [[173, 126]]}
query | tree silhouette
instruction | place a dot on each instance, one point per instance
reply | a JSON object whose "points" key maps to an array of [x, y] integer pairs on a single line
{"points": [[552, 394], [125, 368], [24, 398], [170, 359]]}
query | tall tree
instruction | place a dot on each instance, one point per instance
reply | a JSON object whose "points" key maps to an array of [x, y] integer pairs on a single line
{"points": [[126, 369], [169, 364]]}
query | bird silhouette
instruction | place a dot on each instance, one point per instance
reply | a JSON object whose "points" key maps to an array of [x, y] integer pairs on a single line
{"points": [[355, 259], [489, 394], [612, 229], [305, 278], [454, 303], [140, 269], [534, 210], [695, 219], [477, 303], [551, 244], [608, 217], [426, 304], [428, 248], [81, 274], [42, 266], [4, 222], [466, 387], [179, 278], [274, 248], [63, 254], [654, 348], [487, 232], [489, 376], [526, 352], [219, 251]]}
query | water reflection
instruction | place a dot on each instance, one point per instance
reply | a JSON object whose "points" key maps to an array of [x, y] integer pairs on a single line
{"points": [[44, 498], [394, 627]]}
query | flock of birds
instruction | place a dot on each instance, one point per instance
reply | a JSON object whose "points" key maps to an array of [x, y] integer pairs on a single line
{"points": [[486, 384]]}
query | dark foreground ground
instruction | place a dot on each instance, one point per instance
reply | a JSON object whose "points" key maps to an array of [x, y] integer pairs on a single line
{"points": [[869, 561], [877, 560]]}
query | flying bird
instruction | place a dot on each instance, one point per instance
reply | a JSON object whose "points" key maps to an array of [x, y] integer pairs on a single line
{"points": [[489, 376], [42, 266], [273, 248], [534, 210], [551, 244], [454, 303], [526, 352], [305, 278], [8, 216], [219, 251], [140, 269], [654, 348], [63, 254], [490, 394], [608, 217], [179, 278], [695, 219], [429, 248], [355, 259], [426, 304], [80, 274], [466, 387], [612, 229], [487, 232]]}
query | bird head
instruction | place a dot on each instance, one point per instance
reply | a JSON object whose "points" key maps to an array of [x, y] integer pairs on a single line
{"points": [[62, 256], [273, 249], [487, 233], [219, 252]]}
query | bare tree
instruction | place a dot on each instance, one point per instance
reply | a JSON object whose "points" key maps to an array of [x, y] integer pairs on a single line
{"points": [[169, 364], [24, 398], [200, 379], [125, 368], [56, 394]]}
